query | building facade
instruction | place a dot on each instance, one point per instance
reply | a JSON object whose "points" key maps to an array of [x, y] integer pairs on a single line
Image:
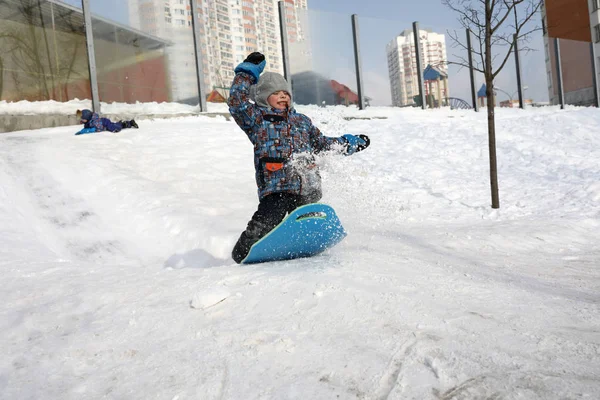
{"points": [[402, 63], [576, 25], [229, 31]]}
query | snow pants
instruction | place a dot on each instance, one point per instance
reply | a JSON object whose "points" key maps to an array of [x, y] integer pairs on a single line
{"points": [[111, 126], [272, 209]]}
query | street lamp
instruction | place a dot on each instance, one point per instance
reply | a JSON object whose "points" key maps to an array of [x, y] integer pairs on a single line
{"points": [[514, 93]]}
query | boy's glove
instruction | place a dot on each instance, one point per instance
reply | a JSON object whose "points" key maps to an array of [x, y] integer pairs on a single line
{"points": [[254, 65], [86, 130], [356, 143]]}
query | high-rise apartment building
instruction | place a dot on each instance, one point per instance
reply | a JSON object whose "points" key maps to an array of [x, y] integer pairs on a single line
{"points": [[229, 30], [402, 63]]}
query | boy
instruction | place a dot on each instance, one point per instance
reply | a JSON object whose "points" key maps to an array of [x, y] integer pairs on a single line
{"points": [[91, 119], [284, 146]]}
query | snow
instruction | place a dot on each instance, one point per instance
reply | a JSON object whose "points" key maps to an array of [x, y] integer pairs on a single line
{"points": [[117, 280], [25, 107]]}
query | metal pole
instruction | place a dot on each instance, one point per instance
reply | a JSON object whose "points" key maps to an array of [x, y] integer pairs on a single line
{"points": [[198, 53], [120, 71], [595, 76], [419, 56], [359, 81], [284, 41], [559, 79], [518, 67], [472, 72], [60, 85], [89, 39]]}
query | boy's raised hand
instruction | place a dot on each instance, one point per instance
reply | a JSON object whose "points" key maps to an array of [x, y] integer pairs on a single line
{"points": [[254, 65]]}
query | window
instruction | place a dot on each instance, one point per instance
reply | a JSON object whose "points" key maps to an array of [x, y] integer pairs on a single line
{"points": [[595, 5], [597, 33]]}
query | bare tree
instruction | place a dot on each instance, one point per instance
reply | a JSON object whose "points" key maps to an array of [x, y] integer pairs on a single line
{"points": [[497, 26]]}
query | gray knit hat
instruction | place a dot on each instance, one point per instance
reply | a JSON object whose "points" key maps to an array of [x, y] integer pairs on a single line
{"points": [[269, 83]]}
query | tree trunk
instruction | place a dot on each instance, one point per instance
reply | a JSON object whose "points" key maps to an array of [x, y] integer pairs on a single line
{"points": [[489, 83], [492, 142]]}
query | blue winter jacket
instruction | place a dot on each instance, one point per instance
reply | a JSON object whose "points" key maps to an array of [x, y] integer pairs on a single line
{"points": [[284, 144]]}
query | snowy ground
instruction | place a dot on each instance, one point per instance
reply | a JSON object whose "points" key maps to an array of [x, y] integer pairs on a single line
{"points": [[117, 281]]}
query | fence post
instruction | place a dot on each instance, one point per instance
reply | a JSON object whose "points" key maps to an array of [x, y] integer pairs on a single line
{"points": [[595, 76], [359, 81], [89, 39], [198, 55], [284, 42], [472, 72], [419, 56], [559, 79], [518, 68]]}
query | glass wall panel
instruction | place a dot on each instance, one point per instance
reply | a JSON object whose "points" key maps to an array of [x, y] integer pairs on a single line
{"points": [[532, 61], [145, 58], [321, 59], [389, 75], [42, 51], [534, 64], [505, 84], [577, 72], [445, 63]]}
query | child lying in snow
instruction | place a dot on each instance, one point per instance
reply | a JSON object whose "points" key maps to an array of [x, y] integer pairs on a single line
{"points": [[93, 123]]}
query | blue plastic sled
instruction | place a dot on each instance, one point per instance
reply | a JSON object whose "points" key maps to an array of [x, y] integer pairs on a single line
{"points": [[85, 131], [307, 231]]}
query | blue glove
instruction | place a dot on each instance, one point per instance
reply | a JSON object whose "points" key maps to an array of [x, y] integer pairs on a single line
{"points": [[253, 69], [356, 143], [253, 65], [86, 130]]}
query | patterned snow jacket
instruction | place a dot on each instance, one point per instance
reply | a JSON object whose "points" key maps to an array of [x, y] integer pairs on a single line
{"points": [[284, 144]]}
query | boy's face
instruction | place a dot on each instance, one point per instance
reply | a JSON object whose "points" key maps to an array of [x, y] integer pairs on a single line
{"points": [[279, 100]]}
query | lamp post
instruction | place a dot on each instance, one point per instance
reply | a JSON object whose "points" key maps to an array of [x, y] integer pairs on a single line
{"points": [[510, 96], [506, 93]]}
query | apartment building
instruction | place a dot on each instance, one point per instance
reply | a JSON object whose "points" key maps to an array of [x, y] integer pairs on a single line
{"points": [[576, 25], [229, 30], [402, 63]]}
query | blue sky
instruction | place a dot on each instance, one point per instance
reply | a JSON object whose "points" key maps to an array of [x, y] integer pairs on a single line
{"points": [[429, 11]]}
